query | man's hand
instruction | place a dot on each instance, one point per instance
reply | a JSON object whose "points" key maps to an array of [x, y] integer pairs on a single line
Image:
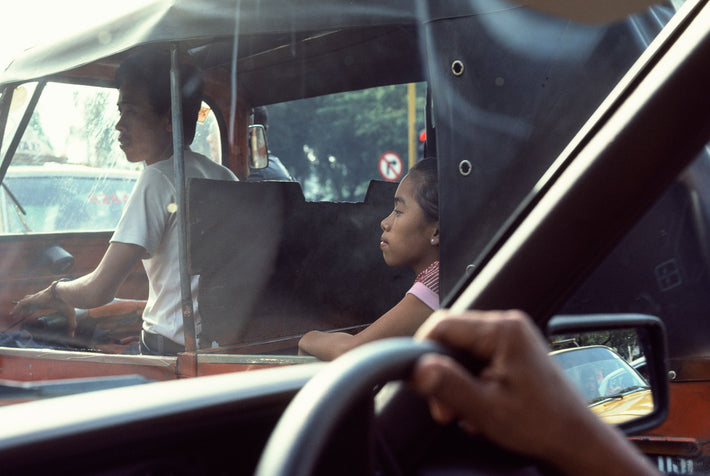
{"points": [[521, 399], [35, 305], [519, 386]]}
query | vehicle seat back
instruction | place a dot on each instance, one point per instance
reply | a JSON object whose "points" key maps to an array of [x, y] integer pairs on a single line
{"points": [[273, 265]]}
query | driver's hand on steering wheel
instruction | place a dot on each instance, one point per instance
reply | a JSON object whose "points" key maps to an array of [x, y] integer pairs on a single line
{"points": [[33, 306], [520, 399]]}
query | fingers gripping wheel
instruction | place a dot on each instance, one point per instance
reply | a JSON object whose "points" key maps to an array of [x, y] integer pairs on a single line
{"points": [[311, 419], [331, 421]]}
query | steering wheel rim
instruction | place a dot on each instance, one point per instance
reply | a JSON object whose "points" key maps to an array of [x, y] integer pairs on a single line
{"points": [[303, 430]]}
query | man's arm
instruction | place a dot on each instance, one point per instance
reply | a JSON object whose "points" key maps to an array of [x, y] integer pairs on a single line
{"points": [[101, 285], [92, 290]]}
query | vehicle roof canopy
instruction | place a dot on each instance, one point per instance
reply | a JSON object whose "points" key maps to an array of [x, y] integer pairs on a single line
{"points": [[300, 45], [266, 36]]}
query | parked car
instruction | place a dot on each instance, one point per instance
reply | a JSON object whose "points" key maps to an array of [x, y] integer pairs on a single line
{"points": [[614, 390], [57, 197], [554, 141]]}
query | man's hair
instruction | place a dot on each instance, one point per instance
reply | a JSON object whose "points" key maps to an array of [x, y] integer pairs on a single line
{"points": [[152, 68], [425, 174], [261, 116]]}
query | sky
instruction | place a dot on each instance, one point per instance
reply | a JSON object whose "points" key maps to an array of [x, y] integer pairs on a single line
{"points": [[25, 23], [30, 22]]}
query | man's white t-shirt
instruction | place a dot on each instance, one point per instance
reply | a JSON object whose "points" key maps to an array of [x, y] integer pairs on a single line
{"points": [[149, 220]]}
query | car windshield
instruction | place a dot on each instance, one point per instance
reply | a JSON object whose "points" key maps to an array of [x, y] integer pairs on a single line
{"points": [[599, 373], [68, 173], [350, 96], [198, 187], [58, 200]]}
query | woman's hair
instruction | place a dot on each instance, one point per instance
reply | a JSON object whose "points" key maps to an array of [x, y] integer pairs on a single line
{"points": [[426, 178]]}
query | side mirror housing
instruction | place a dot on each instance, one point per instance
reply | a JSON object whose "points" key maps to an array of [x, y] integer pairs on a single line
{"points": [[56, 260], [607, 346]]}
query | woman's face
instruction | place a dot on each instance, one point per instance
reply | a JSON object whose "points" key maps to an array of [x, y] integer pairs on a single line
{"points": [[407, 235]]}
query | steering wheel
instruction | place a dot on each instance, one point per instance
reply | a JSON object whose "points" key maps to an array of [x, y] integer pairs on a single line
{"points": [[331, 425]]}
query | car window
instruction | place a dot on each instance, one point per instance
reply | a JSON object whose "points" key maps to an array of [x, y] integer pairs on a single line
{"points": [[71, 123], [597, 371], [334, 145], [501, 91], [67, 172], [63, 198], [207, 135], [497, 116], [516, 101]]}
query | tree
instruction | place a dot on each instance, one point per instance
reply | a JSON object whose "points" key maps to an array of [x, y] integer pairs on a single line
{"points": [[623, 341], [331, 144]]}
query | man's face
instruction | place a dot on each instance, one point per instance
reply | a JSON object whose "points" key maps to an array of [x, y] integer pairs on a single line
{"points": [[144, 136]]}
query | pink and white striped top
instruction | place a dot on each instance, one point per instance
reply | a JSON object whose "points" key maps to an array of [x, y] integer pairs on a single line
{"points": [[426, 286]]}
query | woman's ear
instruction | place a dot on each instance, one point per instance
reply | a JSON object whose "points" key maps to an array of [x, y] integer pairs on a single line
{"points": [[435, 236]]}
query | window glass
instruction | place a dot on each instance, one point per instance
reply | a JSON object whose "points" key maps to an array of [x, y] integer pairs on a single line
{"points": [[68, 173], [63, 198], [72, 124], [596, 372], [333, 144], [207, 138], [520, 97]]}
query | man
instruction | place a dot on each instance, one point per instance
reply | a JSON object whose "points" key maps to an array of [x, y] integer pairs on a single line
{"points": [[147, 229]]}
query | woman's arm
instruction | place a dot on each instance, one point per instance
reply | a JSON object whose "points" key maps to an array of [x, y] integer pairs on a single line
{"points": [[402, 320]]}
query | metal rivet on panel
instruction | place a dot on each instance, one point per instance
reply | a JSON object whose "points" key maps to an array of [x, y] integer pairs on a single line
{"points": [[457, 67], [465, 167]]}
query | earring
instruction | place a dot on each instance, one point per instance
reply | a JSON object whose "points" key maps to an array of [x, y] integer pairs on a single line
{"points": [[432, 241]]}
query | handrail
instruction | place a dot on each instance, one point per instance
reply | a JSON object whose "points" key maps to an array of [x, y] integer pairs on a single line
{"points": [[188, 321]]}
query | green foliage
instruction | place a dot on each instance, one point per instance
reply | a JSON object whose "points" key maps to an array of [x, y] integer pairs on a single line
{"points": [[623, 341], [331, 144]]}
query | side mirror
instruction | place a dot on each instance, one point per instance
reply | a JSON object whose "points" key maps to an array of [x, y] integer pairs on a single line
{"points": [[618, 363], [56, 260], [258, 149]]}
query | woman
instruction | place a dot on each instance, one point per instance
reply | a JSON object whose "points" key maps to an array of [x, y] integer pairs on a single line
{"points": [[410, 238]]}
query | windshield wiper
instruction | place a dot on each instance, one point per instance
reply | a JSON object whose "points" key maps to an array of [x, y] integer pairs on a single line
{"points": [[605, 397], [620, 394], [631, 389], [18, 207]]}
